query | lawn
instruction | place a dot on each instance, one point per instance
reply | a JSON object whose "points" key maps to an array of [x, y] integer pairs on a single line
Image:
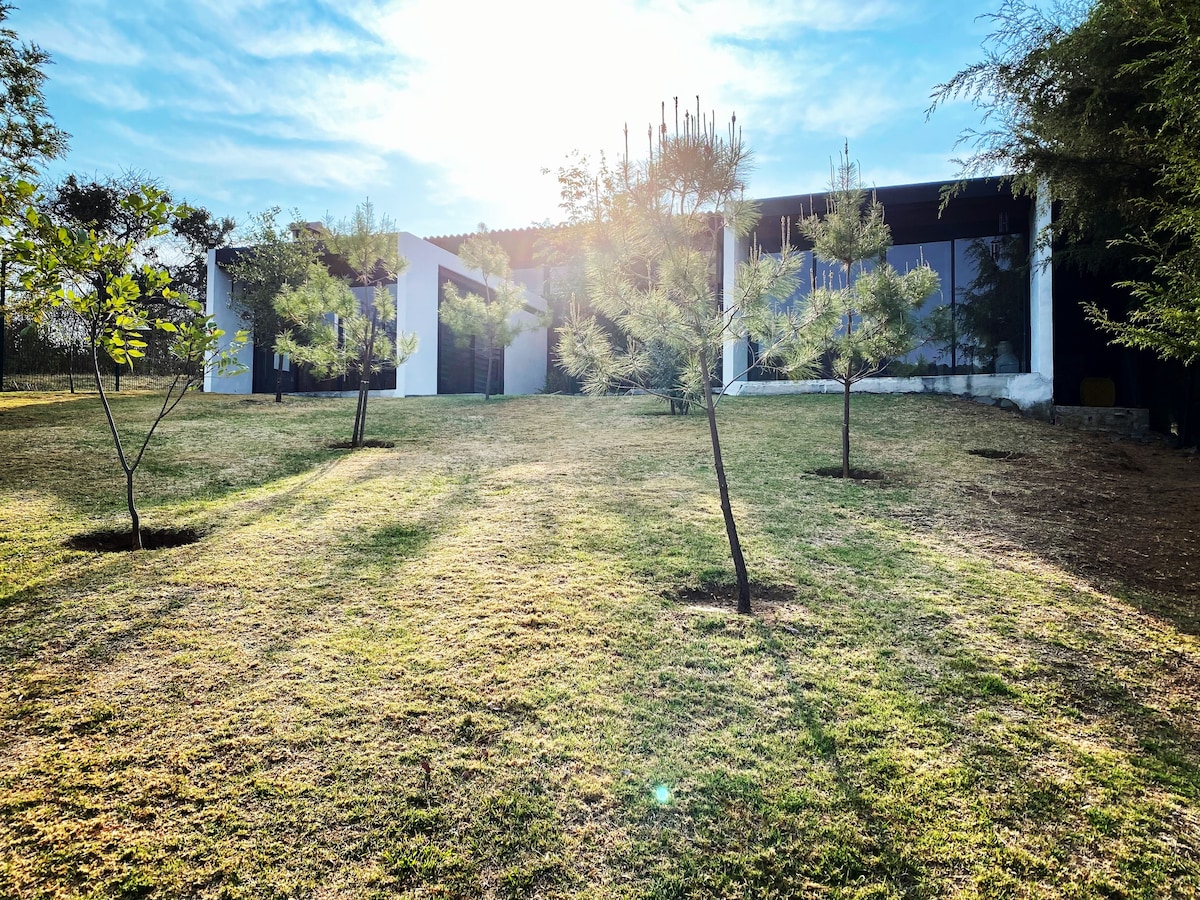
{"points": [[495, 660]]}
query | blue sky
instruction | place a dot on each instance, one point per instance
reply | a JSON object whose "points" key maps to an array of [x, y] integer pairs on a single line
{"points": [[445, 112]]}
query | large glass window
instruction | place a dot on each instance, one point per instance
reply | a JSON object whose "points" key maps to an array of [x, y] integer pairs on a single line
{"points": [[977, 323], [991, 305]]}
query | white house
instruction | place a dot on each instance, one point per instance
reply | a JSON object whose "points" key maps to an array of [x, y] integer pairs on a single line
{"points": [[440, 365]]}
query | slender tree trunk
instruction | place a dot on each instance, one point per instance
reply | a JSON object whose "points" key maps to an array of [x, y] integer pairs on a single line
{"points": [[364, 384], [846, 425], [134, 520], [364, 388], [487, 387], [279, 378], [735, 546], [358, 417], [136, 535]]}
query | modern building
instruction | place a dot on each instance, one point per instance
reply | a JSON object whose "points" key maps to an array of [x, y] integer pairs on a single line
{"points": [[988, 333], [1007, 324], [441, 365]]}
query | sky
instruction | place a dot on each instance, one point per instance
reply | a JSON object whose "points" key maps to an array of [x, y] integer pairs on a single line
{"points": [[447, 113]]}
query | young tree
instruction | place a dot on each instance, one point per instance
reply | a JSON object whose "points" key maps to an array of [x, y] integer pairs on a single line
{"points": [[372, 251], [101, 270], [652, 244], [493, 319], [864, 316], [276, 255]]}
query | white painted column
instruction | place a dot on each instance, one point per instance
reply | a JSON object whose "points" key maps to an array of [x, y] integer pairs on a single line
{"points": [[217, 304], [736, 349], [1041, 293]]}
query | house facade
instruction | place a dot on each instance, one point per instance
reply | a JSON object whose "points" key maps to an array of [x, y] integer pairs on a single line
{"points": [[1007, 324], [441, 365], [988, 332]]}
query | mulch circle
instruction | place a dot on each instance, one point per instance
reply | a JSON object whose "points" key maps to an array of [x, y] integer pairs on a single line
{"points": [[118, 540], [727, 594], [855, 474], [999, 454], [347, 445]]}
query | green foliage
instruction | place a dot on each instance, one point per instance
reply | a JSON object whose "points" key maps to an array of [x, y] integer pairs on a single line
{"points": [[331, 331], [276, 255], [650, 238], [1166, 319], [1094, 104], [1062, 112], [102, 273], [372, 251], [498, 317], [28, 135], [368, 246], [864, 316]]}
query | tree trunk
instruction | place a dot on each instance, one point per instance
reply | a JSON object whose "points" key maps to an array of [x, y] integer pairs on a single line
{"points": [[846, 426], [364, 384], [136, 522], [279, 378], [358, 416], [487, 388], [735, 546]]}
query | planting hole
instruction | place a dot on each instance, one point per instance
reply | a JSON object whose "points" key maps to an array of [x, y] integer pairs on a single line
{"points": [[855, 474], [998, 454], [119, 540]]}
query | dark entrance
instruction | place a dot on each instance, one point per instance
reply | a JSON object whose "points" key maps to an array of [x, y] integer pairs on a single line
{"points": [[463, 366]]}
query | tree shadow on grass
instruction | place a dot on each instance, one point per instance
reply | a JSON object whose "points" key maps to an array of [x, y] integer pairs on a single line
{"points": [[389, 545]]}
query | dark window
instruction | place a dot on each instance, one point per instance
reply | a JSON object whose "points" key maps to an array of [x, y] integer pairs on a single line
{"points": [[463, 365]]}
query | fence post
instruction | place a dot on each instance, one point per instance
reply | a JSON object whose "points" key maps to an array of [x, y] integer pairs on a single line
{"points": [[116, 376]]}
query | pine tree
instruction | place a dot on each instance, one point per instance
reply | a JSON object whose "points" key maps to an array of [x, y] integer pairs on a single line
{"points": [[493, 319], [652, 243], [372, 251], [864, 316]]}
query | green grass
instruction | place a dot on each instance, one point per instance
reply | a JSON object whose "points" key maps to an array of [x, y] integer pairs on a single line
{"points": [[933, 708]]}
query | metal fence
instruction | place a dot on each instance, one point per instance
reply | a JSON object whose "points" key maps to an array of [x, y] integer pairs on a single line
{"points": [[52, 355]]}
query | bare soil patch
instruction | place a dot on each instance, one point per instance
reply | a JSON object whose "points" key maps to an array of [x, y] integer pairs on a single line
{"points": [[120, 540], [988, 453], [726, 595], [855, 474], [377, 444], [1110, 510]]}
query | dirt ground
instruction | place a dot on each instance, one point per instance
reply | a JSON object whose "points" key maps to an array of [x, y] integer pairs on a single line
{"points": [[1119, 512]]}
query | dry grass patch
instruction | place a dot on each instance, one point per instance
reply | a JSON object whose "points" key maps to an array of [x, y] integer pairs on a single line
{"points": [[461, 667]]}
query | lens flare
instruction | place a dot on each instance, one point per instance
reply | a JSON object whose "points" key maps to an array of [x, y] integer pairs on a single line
{"points": [[662, 794]]}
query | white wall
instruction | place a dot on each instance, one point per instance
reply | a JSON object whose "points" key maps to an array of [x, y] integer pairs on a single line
{"points": [[216, 303], [734, 254], [416, 310], [1041, 296]]}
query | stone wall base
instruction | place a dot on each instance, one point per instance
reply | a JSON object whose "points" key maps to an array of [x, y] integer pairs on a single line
{"points": [[1125, 420]]}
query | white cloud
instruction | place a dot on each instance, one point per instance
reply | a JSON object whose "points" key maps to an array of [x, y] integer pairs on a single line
{"points": [[115, 92], [87, 36], [483, 93]]}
